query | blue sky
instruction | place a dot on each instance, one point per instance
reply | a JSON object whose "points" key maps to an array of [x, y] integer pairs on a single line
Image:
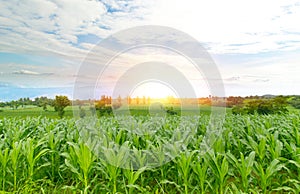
{"points": [[255, 44]]}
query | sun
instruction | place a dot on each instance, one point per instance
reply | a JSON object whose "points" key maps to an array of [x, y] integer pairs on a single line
{"points": [[153, 89]]}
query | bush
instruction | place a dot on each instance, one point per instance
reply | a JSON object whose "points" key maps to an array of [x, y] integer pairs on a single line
{"points": [[238, 110], [170, 111], [295, 102], [116, 105], [82, 113], [104, 111], [263, 106]]}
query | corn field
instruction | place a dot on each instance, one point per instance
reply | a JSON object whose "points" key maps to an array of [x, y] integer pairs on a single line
{"points": [[253, 154]]}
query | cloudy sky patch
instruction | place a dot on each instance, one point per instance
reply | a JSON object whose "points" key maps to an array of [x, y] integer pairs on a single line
{"points": [[43, 43]]}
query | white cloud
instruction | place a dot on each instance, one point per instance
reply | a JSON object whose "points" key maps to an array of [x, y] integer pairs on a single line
{"points": [[54, 26], [260, 25], [37, 76], [34, 73], [231, 26], [277, 74], [26, 72]]}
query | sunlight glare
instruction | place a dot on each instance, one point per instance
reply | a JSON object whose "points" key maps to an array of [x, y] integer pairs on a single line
{"points": [[153, 90]]}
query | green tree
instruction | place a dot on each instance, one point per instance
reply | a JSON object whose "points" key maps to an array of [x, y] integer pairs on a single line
{"points": [[60, 103], [42, 102], [82, 113], [14, 104], [170, 111], [295, 102], [279, 104], [2, 104], [238, 109], [263, 106], [117, 103]]}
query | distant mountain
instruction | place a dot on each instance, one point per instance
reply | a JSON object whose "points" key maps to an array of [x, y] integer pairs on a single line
{"points": [[268, 96]]}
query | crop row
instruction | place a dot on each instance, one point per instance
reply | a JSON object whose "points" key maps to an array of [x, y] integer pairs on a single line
{"points": [[247, 154]]}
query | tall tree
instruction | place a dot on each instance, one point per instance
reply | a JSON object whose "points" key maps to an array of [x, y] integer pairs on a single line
{"points": [[60, 103], [129, 100]]}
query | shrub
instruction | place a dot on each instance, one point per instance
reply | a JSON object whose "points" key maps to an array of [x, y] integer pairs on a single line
{"points": [[295, 102], [170, 111], [81, 112], [104, 111], [263, 106], [238, 110]]}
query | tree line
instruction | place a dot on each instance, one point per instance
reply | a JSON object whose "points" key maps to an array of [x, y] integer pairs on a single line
{"points": [[59, 103], [22, 102], [240, 105]]}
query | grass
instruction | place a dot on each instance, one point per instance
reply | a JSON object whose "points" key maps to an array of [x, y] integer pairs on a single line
{"points": [[34, 111]]}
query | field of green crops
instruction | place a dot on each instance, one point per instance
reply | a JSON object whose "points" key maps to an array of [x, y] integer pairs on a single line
{"points": [[251, 154]]}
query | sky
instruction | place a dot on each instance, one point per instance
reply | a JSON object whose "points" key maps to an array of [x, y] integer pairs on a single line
{"points": [[44, 43]]}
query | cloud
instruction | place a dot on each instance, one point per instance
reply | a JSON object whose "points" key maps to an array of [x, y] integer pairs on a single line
{"points": [[243, 80], [68, 29], [27, 72], [261, 80], [36, 76], [234, 26], [5, 85], [224, 27], [234, 78], [45, 27]]}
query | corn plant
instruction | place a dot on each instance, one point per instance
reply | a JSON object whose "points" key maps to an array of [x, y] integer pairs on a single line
{"points": [[142, 154], [132, 176], [218, 164], [265, 175], [54, 141], [244, 167], [33, 151], [80, 160], [200, 169], [184, 166], [14, 157], [4, 158], [114, 157]]}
